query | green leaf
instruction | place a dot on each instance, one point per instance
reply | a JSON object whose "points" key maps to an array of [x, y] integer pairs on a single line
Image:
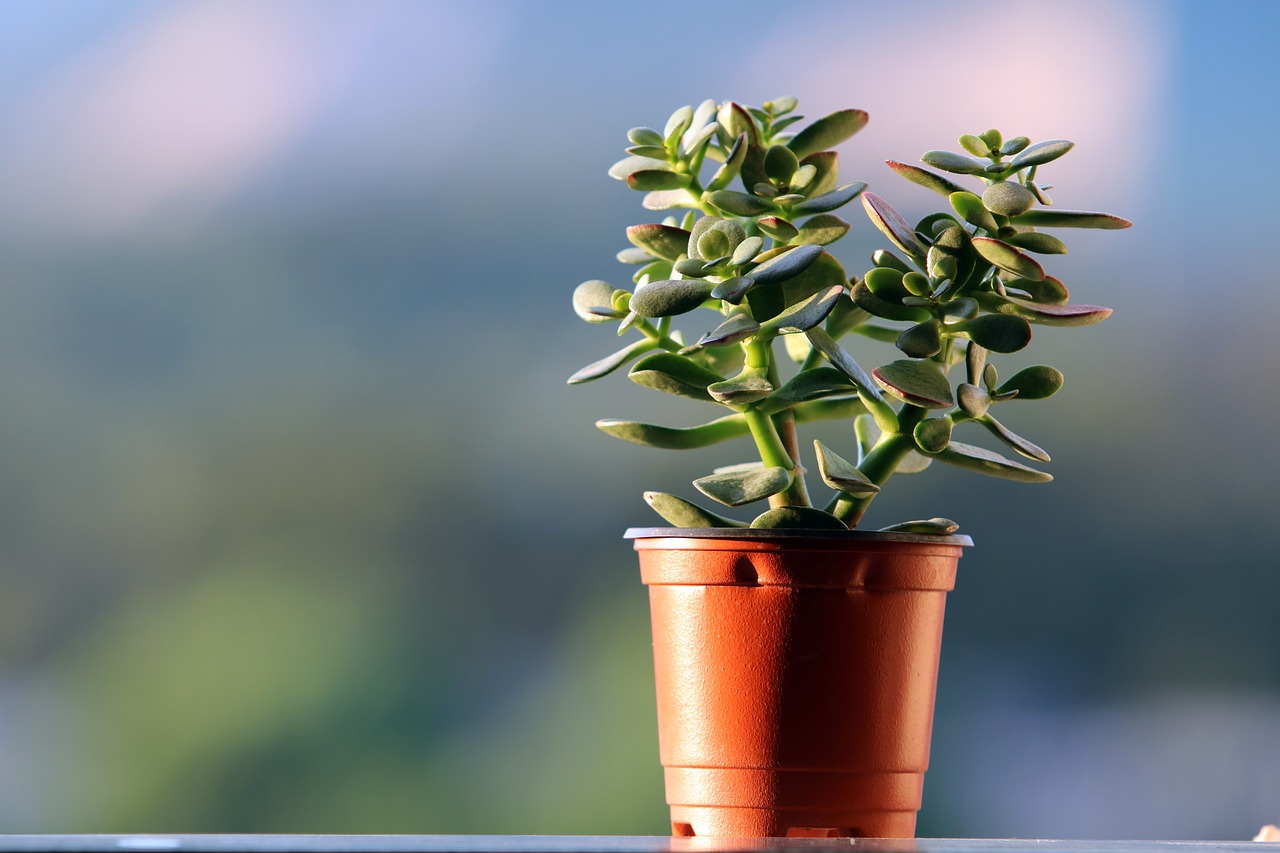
{"points": [[868, 301], [914, 463], [845, 316], [694, 268], [840, 474], [734, 121], [932, 435], [718, 240], [992, 464], [1033, 383], [923, 527], [747, 250], [644, 136], [1046, 315], [731, 167], [828, 132], [823, 230], [694, 142], [786, 265], [949, 161], [657, 152], [780, 163], [1007, 198], [681, 513], [612, 362], [657, 179], [804, 315], [826, 175], [973, 211], [959, 310], [668, 199], [1051, 291], [975, 360], [738, 326], [923, 340], [973, 401], [1035, 241], [816, 383], [679, 122], [1042, 218], [674, 374], [739, 204], [747, 387], [997, 332], [732, 290], [925, 178], [634, 256], [592, 295], [1041, 152], [630, 165], [736, 488], [1014, 145], [661, 241], [676, 438], [1008, 258], [1011, 438], [916, 382], [797, 518], [891, 223], [975, 146], [779, 229], [888, 260], [843, 362], [838, 197], [670, 297]]}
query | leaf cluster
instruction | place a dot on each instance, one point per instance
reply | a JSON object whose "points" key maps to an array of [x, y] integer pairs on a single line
{"points": [[749, 247]]}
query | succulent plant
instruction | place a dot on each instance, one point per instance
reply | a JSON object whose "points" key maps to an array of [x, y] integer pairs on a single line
{"points": [[748, 241]]}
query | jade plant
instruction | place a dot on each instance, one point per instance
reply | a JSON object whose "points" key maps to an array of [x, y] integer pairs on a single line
{"points": [[743, 259]]}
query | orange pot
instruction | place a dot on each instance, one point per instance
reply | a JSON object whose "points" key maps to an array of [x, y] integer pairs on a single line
{"points": [[795, 676]]}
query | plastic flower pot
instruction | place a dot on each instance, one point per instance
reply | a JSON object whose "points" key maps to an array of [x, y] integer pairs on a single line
{"points": [[796, 674]]}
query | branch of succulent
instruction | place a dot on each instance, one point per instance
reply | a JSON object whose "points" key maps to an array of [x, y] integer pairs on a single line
{"points": [[957, 286]]}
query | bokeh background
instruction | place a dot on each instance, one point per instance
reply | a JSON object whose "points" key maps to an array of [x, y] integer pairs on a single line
{"points": [[301, 529]]}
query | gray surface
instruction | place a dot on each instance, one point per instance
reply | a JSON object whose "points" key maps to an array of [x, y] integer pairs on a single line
{"points": [[576, 843]]}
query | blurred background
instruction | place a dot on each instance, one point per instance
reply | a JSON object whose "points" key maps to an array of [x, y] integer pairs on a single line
{"points": [[301, 529]]}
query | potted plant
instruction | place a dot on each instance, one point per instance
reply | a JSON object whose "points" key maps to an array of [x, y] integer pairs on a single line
{"points": [[796, 657]]}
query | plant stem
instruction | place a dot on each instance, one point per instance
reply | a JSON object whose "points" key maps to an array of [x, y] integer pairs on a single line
{"points": [[774, 451], [878, 467]]}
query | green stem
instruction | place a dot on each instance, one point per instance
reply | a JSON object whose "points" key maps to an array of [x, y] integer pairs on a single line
{"points": [[773, 452], [878, 467]]}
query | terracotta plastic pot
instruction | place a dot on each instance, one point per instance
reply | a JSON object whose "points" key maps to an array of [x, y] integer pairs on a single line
{"points": [[795, 675]]}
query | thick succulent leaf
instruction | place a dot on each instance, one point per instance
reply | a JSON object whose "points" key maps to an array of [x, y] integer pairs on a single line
{"points": [[661, 241], [883, 308], [1035, 241], [731, 166], [693, 268], [645, 136], [694, 142], [732, 290], [838, 197], [932, 435], [780, 163], [891, 223], [1046, 315], [975, 361], [888, 260], [1041, 152], [668, 199], [746, 250], [656, 152], [949, 161], [887, 283], [717, 240], [632, 255], [958, 310], [845, 316], [797, 347], [1050, 218], [592, 295], [826, 166], [815, 383], [823, 229], [797, 518], [738, 326], [1033, 383], [1011, 438], [681, 513], [739, 204], [923, 340], [658, 179], [840, 474], [996, 332], [1014, 146], [734, 121], [975, 145], [804, 315], [628, 166], [612, 362], [924, 527], [828, 132], [992, 464], [1008, 198], [736, 488], [679, 122], [916, 382], [786, 265], [674, 374], [842, 361], [973, 401], [676, 438], [925, 178], [822, 274], [914, 463], [670, 297], [779, 229], [1008, 258], [747, 387]]}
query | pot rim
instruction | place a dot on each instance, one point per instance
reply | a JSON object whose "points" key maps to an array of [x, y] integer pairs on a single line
{"points": [[749, 533]]}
